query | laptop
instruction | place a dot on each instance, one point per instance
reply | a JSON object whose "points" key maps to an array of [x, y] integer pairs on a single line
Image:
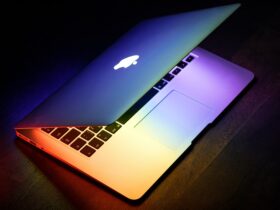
{"points": [[132, 112]]}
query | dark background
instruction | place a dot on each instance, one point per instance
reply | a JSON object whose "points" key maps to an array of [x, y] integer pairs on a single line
{"points": [[234, 165]]}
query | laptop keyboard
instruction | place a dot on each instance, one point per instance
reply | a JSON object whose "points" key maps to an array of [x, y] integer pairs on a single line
{"points": [[88, 139]]}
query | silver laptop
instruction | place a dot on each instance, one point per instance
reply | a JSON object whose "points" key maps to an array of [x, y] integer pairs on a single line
{"points": [[127, 117]]}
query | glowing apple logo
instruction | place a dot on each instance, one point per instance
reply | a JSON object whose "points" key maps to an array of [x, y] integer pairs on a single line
{"points": [[126, 62]]}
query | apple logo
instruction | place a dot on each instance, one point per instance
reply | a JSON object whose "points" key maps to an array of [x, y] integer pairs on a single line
{"points": [[126, 62]]}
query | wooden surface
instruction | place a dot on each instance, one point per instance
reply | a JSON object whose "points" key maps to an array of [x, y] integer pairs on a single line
{"points": [[235, 164]]}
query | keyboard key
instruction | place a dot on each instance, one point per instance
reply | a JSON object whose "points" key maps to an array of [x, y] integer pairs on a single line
{"points": [[59, 132], [70, 136], [47, 130], [161, 84], [96, 143], [138, 105], [189, 58], [78, 144], [113, 128], [168, 77], [81, 128], [95, 129], [182, 64], [104, 135], [87, 135], [88, 151], [176, 71]]}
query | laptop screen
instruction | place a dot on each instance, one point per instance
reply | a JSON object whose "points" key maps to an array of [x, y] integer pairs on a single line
{"points": [[121, 75]]}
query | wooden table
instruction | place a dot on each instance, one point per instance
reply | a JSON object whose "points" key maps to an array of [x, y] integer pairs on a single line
{"points": [[235, 164]]}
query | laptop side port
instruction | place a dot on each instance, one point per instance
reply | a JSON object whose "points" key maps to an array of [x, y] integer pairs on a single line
{"points": [[28, 140]]}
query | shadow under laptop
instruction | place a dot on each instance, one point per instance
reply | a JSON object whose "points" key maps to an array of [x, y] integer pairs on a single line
{"points": [[79, 190]]}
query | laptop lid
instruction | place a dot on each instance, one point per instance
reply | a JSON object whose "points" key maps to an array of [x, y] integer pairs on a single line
{"points": [[122, 74]]}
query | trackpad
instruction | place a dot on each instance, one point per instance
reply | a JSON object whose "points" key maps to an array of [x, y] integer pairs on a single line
{"points": [[175, 121]]}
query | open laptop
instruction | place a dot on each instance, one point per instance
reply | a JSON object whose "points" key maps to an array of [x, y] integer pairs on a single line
{"points": [[127, 117]]}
